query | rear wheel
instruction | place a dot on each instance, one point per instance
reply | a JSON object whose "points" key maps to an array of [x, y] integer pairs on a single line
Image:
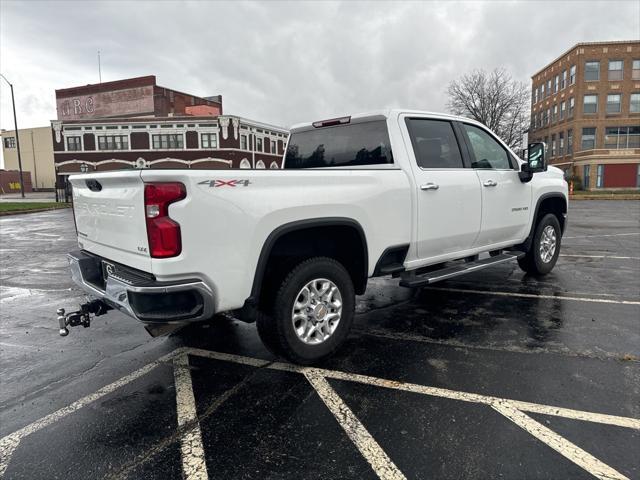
{"points": [[545, 247], [312, 312]]}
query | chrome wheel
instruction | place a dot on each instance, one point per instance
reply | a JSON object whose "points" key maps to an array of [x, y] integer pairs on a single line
{"points": [[316, 311], [548, 244]]}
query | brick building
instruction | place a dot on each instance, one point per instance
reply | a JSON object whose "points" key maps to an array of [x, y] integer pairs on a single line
{"points": [[132, 97], [135, 123], [586, 108]]}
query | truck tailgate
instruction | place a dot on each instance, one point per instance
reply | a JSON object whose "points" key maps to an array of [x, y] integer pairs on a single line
{"points": [[110, 217]]}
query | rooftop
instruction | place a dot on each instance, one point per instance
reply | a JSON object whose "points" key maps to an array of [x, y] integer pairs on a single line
{"points": [[584, 44], [148, 80]]}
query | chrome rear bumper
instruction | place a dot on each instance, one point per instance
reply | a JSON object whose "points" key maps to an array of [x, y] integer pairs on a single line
{"points": [[138, 294]]}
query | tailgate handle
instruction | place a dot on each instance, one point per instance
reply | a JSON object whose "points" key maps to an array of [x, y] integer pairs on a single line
{"points": [[93, 185]]}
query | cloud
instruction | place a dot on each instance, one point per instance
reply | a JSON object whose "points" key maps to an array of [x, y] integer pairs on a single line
{"points": [[283, 62]]}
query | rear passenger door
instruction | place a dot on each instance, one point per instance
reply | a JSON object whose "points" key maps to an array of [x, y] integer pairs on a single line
{"points": [[448, 194], [505, 199]]}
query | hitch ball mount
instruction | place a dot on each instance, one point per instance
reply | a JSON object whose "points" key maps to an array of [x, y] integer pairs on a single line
{"points": [[82, 316]]}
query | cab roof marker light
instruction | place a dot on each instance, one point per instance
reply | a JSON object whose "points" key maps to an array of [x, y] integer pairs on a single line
{"points": [[332, 122]]}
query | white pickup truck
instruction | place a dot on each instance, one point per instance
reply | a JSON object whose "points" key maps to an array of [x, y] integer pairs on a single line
{"points": [[419, 196]]}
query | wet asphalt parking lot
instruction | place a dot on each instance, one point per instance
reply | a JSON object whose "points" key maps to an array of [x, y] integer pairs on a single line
{"points": [[492, 375]]}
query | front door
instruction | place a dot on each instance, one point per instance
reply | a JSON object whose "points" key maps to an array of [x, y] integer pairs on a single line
{"points": [[506, 201], [448, 194]]}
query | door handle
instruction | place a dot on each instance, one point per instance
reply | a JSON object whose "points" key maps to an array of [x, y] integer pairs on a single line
{"points": [[490, 183], [429, 186]]}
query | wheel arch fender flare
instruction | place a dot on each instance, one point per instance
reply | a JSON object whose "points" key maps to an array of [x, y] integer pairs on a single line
{"points": [[279, 232], [534, 219]]}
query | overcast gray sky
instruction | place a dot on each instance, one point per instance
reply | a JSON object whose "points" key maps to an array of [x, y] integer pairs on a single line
{"points": [[282, 62]]}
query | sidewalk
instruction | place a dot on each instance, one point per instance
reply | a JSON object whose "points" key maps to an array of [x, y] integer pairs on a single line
{"points": [[29, 197]]}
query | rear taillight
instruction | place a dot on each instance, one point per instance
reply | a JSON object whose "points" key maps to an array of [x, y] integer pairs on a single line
{"points": [[162, 231]]}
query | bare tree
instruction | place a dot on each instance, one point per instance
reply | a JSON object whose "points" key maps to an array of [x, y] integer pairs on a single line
{"points": [[495, 99]]}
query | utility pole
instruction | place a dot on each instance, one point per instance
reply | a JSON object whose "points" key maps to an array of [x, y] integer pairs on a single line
{"points": [[15, 126], [99, 68]]}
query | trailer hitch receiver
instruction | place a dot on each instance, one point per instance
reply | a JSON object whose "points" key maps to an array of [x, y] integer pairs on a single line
{"points": [[82, 316]]}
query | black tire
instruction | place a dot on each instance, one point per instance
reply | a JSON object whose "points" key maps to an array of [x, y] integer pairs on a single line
{"points": [[276, 328], [532, 262]]}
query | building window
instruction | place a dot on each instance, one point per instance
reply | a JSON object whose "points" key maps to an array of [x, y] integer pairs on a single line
{"points": [[600, 176], [9, 142], [569, 142], [243, 142], [614, 103], [622, 137], [208, 140], [273, 147], [74, 144], [586, 176], [548, 87], [554, 116], [572, 106], [535, 95], [561, 143], [258, 144], [541, 91], [616, 69], [591, 71], [167, 140], [590, 104], [113, 142], [553, 145], [634, 106], [563, 108], [563, 82], [572, 75], [545, 117], [635, 70], [556, 84], [588, 138]]}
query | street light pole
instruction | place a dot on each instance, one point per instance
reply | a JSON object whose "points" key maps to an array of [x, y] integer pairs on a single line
{"points": [[15, 126]]}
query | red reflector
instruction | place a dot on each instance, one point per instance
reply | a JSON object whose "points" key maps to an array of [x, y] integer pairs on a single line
{"points": [[331, 122], [163, 232]]}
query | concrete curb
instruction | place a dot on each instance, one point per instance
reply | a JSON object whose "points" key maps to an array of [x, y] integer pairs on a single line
{"points": [[35, 210], [630, 196]]}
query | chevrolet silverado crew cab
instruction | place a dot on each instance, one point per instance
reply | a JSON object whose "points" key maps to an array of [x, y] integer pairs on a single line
{"points": [[418, 196]]}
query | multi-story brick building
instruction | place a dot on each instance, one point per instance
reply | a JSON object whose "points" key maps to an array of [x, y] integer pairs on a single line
{"points": [[204, 142], [134, 123], [586, 108]]}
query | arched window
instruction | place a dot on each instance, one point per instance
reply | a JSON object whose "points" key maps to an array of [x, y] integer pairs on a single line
{"points": [[260, 164], [245, 163], [274, 165]]}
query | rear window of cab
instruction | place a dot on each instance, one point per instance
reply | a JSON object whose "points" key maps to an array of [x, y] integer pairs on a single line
{"points": [[354, 144]]}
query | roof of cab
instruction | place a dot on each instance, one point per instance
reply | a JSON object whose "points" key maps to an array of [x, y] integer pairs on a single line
{"points": [[386, 113]]}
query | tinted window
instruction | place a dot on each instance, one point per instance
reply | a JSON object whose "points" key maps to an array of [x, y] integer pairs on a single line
{"points": [[434, 143], [341, 146], [487, 151]]}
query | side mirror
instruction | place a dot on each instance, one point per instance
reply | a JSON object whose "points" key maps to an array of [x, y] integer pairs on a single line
{"points": [[535, 158]]}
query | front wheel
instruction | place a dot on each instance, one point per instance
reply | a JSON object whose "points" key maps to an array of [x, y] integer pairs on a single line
{"points": [[312, 312], [545, 247]]}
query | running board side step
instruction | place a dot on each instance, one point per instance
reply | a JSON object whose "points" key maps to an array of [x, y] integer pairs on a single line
{"points": [[411, 280]]}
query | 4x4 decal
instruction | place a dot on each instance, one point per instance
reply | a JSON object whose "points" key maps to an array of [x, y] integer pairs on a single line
{"points": [[225, 183]]}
